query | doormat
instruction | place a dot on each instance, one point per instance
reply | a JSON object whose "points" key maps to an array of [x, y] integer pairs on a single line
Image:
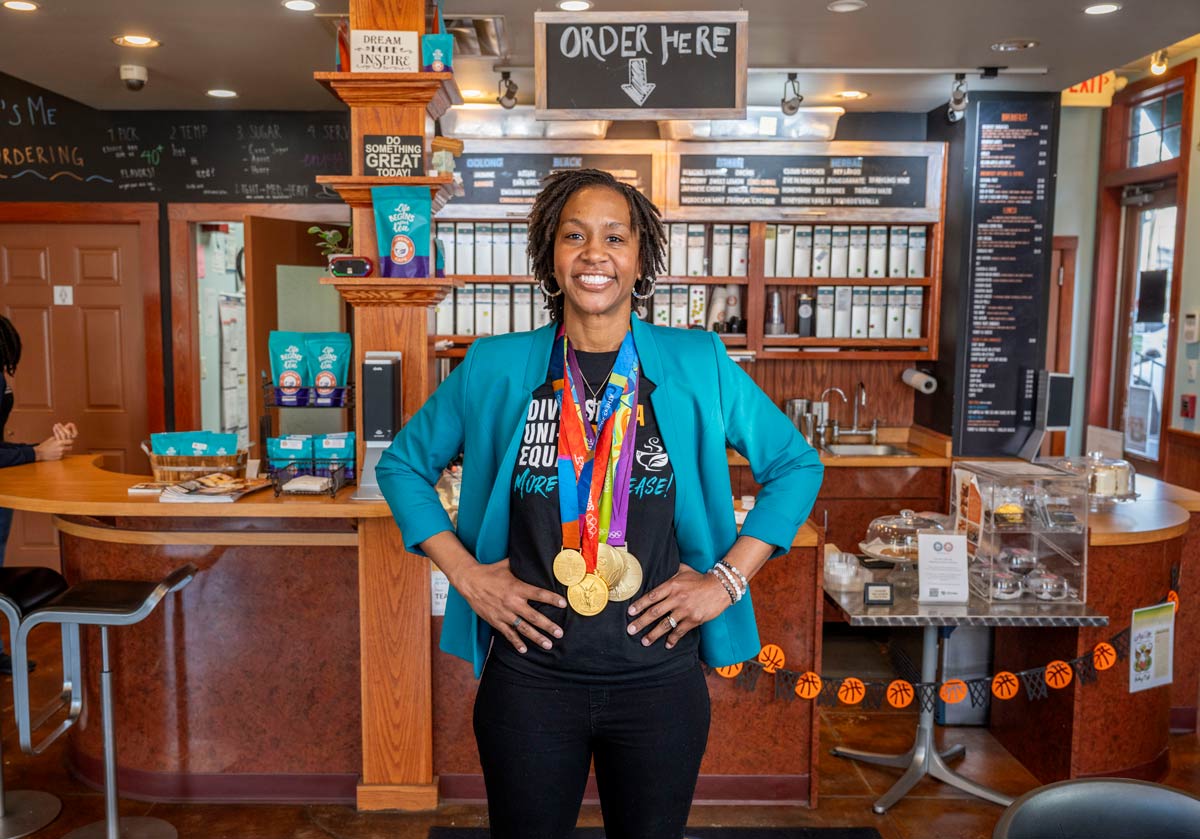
{"points": [[697, 833]]}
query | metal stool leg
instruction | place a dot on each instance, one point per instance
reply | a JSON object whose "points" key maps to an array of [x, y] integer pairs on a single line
{"points": [[25, 811], [114, 827]]}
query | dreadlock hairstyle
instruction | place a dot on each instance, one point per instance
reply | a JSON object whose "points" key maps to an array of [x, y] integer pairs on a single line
{"points": [[543, 224], [10, 346]]}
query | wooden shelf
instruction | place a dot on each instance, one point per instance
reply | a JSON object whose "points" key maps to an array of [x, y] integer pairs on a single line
{"points": [[854, 343], [355, 190], [496, 279], [392, 291], [735, 339], [673, 280], [435, 92], [854, 281]]}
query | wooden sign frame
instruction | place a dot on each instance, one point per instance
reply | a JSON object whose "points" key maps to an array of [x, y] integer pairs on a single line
{"points": [[739, 19]]}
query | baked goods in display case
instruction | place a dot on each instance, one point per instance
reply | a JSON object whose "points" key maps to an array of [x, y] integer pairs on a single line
{"points": [[894, 538], [1109, 480], [1026, 529]]}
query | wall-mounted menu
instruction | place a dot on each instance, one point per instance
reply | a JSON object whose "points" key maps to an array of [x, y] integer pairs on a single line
{"points": [[54, 149], [760, 180], [516, 178], [1009, 271]]}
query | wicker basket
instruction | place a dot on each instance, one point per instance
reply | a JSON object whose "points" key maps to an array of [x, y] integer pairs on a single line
{"points": [[176, 468]]}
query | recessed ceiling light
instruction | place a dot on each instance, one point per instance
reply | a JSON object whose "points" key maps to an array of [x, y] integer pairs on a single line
{"points": [[851, 94], [1015, 45], [21, 5], [471, 93], [299, 5], [847, 5], [1158, 63], [574, 5], [219, 93], [140, 41], [1102, 9]]}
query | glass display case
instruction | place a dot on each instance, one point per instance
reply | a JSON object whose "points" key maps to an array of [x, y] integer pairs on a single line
{"points": [[1109, 480], [1026, 529]]}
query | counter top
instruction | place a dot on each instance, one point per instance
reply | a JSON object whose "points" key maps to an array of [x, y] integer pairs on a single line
{"points": [[1152, 489], [77, 486], [1138, 523], [928, 450]]}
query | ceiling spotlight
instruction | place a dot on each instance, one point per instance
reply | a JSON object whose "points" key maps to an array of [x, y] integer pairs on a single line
{"points": [[21, 5], [790, 105], [299, 5], [139, 41], [1102, 9], [1014, 45], [847, 5], [574, 5], [471, 93], [506, 90], [221, 93], [851, 94], [1158, 63], [957, 107]]}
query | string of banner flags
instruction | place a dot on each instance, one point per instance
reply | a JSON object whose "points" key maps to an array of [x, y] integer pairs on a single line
{"points": [[1037, 682]]}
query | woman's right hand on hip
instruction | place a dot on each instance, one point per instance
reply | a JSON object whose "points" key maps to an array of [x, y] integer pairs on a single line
{"points": [[504, 602]]}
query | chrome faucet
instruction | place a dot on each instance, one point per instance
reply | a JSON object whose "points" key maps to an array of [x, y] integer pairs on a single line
{"points": [[830, 432], [860, 400]]}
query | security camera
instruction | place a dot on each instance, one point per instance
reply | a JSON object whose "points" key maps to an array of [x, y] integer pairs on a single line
{"points": [[134, 76], [790, 104]]}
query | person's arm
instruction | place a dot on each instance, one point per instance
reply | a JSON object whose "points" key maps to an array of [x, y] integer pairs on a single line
{"points": [[16, 454]]}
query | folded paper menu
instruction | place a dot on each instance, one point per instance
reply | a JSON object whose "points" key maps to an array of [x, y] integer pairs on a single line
{"points": [[212, 489]]}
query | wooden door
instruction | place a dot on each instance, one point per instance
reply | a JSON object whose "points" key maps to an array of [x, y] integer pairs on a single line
{"points": [[269, 243], [74, 292], [1059, 318]]}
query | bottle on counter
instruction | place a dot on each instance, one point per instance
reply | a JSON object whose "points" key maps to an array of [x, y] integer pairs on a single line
{"points": [[805, 309]]}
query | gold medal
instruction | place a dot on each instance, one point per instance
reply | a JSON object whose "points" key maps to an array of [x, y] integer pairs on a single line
{"points": [[589, 596], [569, 567], [610, 565], [631, 580]]}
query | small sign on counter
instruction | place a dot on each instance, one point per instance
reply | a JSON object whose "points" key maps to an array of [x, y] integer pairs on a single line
{"points": [[383, 51], [942, 568], [439, 589], [393, 155]]}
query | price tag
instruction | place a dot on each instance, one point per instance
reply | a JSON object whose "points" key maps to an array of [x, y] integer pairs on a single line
{"points": [[942, 568]]}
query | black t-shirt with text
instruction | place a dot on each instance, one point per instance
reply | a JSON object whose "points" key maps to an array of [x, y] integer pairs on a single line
{"points": [[597, 648]]}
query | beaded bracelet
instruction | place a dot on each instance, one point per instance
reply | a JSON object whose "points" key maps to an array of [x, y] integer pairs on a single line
{"points": [[725, 584], [734, 569], [727, 571], [729, 581]]}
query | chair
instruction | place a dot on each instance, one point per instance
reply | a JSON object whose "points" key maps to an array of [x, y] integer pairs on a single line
{"points": [[22, 590], [1101, 808], [102, 603]]}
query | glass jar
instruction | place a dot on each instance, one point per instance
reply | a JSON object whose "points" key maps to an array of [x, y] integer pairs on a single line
{"points": [[895, 537], [1109, 479]]}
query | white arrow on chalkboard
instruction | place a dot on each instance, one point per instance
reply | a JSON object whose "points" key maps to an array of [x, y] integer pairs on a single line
{"points": [[638, 88]]}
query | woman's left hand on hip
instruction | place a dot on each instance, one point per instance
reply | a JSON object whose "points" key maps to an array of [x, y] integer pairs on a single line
{"points": [[678, 606]]}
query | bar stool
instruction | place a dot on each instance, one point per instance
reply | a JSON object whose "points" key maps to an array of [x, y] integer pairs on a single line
{"points": [[101, 603], [21, 590]]}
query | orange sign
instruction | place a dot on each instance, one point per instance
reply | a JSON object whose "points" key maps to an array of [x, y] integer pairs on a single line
{"points": [[808, 685], [1096, 92], [771, 657], [852, 691], [730, 671], [1059, 674], [1004, 685], [953, 691], [900, 694], [1104, 656]]}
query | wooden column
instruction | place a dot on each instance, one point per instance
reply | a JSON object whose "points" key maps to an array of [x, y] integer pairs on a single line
{"points": [[392, 314]]}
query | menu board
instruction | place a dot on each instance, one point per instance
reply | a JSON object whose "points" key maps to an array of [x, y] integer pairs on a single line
{"points": [[516, 178], [801, 181], [1009, 270], [54, 149]]}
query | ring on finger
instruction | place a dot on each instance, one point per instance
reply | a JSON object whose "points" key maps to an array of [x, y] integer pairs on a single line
{"points": [[674, 624], [517, 622]]}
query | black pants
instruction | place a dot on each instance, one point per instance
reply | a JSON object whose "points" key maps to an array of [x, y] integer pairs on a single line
{"points": [[537, 737]]}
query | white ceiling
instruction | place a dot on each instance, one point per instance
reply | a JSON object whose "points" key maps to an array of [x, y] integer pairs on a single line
{"points": [[268, 54]]}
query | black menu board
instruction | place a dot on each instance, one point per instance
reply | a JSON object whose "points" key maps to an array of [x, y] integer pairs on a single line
{"points": [[516, 178], [1009, 272], [55, 149], [801, 181]]}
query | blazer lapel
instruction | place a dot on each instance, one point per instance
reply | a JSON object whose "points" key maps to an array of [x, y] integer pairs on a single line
{"points": [[663, 401]]}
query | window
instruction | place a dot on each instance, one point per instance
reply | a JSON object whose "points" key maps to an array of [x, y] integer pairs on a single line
{"points": [[1155, 129]]}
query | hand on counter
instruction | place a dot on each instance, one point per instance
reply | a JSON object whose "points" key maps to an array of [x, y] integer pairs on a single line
{"points": [[53, 448], [689, 598]]}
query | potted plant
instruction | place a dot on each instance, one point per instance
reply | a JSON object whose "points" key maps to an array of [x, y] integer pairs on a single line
{"points": [[330, 241]]}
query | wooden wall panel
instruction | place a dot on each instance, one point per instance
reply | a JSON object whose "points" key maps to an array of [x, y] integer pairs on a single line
{"points": [[1182, 468], [888, 398]]}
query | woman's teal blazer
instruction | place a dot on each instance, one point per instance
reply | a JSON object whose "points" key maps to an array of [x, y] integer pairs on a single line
{"points": [[703, 401]]}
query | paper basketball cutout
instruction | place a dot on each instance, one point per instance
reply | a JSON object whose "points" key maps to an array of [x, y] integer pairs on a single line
{"points": [[953, 691], [1004, 685], [808, 685], [771, 657], [1058, 674], [1173, 597], [851, 691], [1104, 656], [730, 671], [900, 694]]}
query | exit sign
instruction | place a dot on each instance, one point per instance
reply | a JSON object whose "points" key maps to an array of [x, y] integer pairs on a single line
{"points": [[1096, 92]]}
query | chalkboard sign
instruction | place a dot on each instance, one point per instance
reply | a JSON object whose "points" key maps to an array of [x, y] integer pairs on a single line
{"points": [[816, 181], [516, 178], [640, 65], [54, 149], [1010, 250]]}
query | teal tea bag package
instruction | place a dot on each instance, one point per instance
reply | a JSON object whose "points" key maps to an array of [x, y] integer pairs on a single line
{"points": [[402, 230], [328, 360], [437, 53], [289, 365]]}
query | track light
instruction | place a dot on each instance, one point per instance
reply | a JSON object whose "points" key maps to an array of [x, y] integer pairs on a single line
{"points": [[957, 108], [506, 90], [790, 105], [1158, 63]]}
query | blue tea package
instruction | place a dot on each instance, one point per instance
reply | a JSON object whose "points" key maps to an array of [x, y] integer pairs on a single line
{"points": [[402, 230], [437, 53]]}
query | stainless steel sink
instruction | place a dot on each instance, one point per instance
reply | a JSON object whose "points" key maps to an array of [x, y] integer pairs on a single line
{"points": [[867, 450]]}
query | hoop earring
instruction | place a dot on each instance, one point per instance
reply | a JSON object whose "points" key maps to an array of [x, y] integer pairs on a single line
{"points": [[542, 286], [649, 293]]}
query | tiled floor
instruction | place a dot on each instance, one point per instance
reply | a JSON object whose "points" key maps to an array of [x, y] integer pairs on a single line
{"points": [[846, 791]]}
